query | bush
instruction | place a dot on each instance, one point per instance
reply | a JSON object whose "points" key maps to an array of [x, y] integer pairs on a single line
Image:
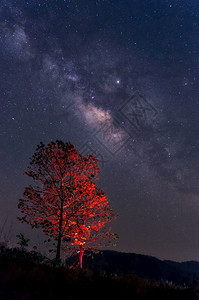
{"points": [[26, 275]]}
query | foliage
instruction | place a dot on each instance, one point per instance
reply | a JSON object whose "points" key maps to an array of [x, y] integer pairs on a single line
{"points": [[23, 242], [64, 200], [20, 254], [27, 279]]}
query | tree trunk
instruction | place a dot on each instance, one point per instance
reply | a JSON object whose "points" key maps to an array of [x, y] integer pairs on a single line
{"points": [[60, 232], [81, 253]]}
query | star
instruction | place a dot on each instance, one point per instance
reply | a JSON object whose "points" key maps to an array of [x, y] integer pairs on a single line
{"points": [[70, 70]]}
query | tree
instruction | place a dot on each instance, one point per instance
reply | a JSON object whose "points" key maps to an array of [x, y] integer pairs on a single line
{"points": [[64, 184]]}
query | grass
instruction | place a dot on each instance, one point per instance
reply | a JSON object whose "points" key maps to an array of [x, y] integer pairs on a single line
{"points": [[27, 275]]}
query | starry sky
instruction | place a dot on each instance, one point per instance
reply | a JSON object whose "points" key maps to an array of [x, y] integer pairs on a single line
{"points": [[118, 79]]}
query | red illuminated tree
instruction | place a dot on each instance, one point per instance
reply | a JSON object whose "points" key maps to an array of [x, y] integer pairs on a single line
{"points": [[60, 174], [64, 200]]}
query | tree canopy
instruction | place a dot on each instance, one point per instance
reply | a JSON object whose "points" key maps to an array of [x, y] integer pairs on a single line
{"points": [[64, 200]]}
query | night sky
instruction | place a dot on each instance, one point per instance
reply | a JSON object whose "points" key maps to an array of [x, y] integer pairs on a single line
{"points": [[118, 79]]}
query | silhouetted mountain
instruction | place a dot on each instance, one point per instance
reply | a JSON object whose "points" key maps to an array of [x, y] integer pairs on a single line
{"points": [[144, 266], [187, 266]]}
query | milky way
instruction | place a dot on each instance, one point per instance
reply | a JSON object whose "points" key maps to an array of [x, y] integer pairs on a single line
{"points": [[119, 79]]}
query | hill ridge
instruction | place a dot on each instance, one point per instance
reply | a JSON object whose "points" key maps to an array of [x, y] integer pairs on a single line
{"points": [[145, 266]]}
